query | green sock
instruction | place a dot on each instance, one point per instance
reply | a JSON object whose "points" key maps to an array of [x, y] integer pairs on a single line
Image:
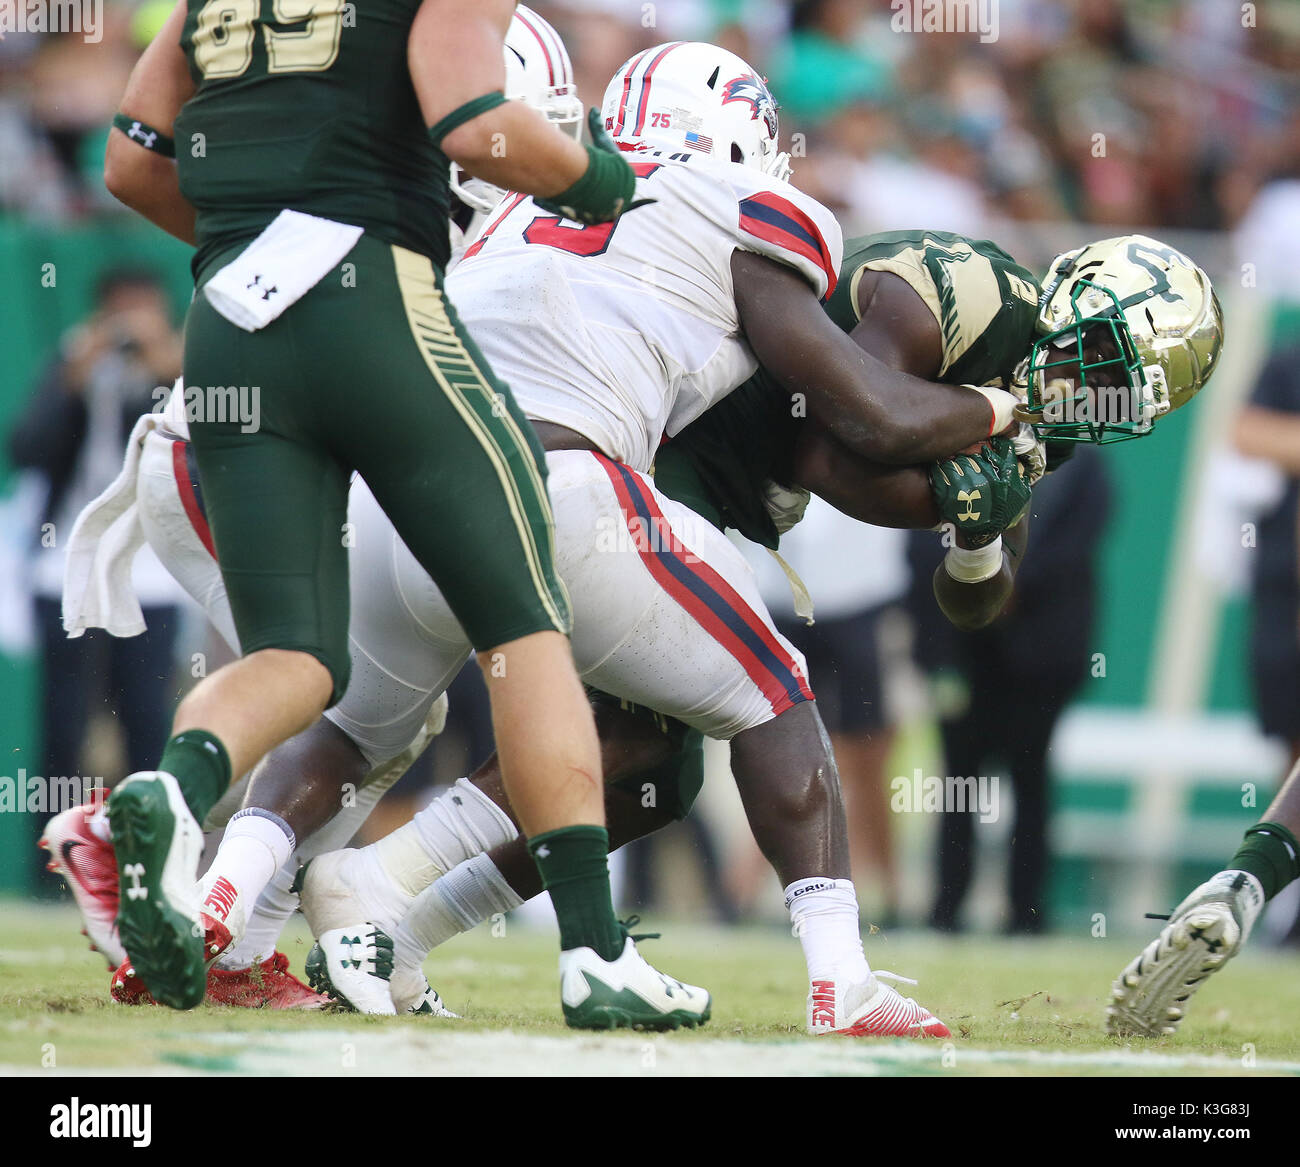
{"points": [[199, 763], [575, 870], [1271, 854]]}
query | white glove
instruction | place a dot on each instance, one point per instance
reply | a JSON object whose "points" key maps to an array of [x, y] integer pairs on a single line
{"points": [[785, 504], [1031, 451]]}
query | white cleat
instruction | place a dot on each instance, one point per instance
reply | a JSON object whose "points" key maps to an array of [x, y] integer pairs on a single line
{"points": [[341, 889], [352, 966], [345, 892], [1149, 998], [412, 993], [627, 993], [869, 1009]]}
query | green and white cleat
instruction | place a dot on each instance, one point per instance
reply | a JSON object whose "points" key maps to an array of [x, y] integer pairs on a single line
{"points": [[157, 843], [412, 993], [352, 966], [1149, 998], [627, 993]]}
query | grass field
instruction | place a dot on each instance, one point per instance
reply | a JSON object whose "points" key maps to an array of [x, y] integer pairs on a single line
{"points": [[1024, 1007]]}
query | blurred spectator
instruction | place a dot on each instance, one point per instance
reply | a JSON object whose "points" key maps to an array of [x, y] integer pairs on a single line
{"points": [[58, 94], [72, 434], [1018, 676], [825, 64], [1269, 428]]}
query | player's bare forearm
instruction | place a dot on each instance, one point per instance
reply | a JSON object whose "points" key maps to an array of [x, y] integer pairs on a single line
{"points": [[885, 496], [148, 185], [454, 55], [881, 413], [145, 181], [971, 606], [515, 148]]}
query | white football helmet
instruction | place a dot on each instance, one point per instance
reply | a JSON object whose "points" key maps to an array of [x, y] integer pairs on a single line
{"points": [[693, 97], [540, 74]]}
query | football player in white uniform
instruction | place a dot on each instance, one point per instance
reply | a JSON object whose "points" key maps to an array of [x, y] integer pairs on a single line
{"points": [[612, 340], [158, 499]]}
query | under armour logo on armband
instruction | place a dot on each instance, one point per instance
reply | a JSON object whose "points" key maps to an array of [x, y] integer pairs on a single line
{"points": [[138, 132]]}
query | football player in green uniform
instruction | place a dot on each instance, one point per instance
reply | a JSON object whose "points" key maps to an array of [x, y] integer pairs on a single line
{"points": [[937, 306], [311, 148], [1149, 997]]}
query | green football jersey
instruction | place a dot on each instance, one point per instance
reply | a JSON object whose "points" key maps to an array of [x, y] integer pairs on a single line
{"points": [[307, 105], [985, 304]]}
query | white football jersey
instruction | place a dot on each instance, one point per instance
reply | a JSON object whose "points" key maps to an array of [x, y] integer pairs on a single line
{"points": [[626, 332]]}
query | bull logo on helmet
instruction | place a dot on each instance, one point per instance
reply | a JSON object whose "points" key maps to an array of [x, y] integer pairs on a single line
{"points": [[750, 88]]}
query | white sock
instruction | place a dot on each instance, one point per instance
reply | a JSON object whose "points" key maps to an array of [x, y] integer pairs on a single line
{"points": [[277, 903], [824, 913], [462, 899], [270, 914], [257, 844], [455, 826]]}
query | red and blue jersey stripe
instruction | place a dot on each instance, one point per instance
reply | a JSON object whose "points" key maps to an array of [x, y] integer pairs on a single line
{"points": [[776, 220], [714, 603]]}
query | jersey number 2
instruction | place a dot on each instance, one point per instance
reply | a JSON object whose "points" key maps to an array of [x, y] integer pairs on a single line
{"points": [[225, 31]]}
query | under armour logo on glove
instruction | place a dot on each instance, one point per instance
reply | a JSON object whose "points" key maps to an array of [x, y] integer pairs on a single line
{"points": [[969, 497], [135, 872], [991, 476]]}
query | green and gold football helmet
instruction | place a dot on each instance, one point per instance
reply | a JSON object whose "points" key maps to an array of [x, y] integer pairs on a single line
{"points": [[1129, 329]]}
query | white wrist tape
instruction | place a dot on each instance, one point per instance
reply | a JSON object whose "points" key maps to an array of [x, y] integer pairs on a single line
{"points": [[971, 565], [1001, 402]]}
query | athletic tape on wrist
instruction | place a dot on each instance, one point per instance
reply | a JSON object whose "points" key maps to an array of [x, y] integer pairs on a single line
{"points": [[971, 565], [1002, 403]]}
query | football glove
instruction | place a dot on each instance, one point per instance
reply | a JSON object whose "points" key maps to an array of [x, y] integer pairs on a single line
{"points": [[785, 504], [981, 494], [1032, 452], [605, 189]]}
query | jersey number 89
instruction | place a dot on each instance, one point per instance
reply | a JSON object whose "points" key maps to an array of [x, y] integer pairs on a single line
{"points": [[224, 34]]}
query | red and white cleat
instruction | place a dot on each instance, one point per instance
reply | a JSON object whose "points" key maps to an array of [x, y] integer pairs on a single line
{"points": [[127, 988], [87, 865], [869, 1009], [269, 985], [216, 937]]}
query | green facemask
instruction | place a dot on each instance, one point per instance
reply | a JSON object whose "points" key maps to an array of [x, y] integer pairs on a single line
{"points": [[1110, 413]]}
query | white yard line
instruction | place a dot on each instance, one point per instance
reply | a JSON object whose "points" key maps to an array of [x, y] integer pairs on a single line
{"points": [[437, 1052]]}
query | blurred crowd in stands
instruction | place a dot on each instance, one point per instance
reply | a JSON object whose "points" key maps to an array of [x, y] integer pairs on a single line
{"points": [[1111, 112]]}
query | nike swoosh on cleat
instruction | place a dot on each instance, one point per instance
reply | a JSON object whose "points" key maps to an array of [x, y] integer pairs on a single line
{"points": [[66, 850]]}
